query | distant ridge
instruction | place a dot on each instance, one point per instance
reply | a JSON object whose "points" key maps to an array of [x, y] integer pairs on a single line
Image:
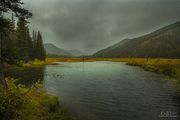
{"points": [[75, 52], [53, 50], [162, 43]]}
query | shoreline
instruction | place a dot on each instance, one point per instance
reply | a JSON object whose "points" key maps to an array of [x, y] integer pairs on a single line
{"points": [[167, 67]]}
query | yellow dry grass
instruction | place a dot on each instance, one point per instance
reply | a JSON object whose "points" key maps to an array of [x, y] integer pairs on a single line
{"points": [[169, 67]]}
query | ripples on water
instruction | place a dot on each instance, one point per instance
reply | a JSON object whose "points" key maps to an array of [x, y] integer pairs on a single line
{"points": [[107, 90], [112, 91]]}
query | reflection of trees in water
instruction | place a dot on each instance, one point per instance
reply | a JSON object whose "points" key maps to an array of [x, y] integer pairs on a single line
{"points": [[26, 76]]}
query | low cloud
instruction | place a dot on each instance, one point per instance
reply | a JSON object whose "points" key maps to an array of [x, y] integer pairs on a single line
{"points": [[90, 25]]}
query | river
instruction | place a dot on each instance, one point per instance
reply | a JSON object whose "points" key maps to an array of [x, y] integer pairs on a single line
{"points": [[107, 90]]}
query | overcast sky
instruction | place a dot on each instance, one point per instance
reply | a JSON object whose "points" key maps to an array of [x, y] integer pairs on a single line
{"points": [[90, 25]]}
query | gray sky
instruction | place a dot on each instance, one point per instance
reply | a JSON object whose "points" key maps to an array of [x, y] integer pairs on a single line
{"points": [[90, 25]]}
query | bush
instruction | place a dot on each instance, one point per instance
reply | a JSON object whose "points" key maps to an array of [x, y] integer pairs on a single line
{"points": [[21, 103]]}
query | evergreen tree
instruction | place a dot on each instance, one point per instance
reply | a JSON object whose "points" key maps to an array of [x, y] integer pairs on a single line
{"points": [[8, 44], [39, 49], [23, 41], [29, 45], [34, 39], [15, 7]]}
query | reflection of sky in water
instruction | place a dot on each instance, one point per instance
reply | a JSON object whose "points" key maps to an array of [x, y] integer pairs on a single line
{"points": [[111, 91]]}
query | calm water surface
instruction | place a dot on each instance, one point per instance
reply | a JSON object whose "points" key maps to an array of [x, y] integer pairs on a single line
{"points": [[110, 91]]}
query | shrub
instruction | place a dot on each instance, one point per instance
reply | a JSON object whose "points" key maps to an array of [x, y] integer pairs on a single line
{"points": [[22, 103]]}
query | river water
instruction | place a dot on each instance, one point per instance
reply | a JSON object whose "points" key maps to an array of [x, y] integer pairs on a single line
{"points": [[109, 91]]}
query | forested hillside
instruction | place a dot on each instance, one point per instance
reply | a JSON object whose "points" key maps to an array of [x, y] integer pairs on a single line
{"points": [[163, 43]]}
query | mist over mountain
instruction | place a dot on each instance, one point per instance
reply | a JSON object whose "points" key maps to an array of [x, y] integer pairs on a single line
{"points": [[75, 52], [163, 43], [53, 50]]}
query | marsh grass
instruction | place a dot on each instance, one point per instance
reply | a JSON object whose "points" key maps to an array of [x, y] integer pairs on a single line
{"points": [[168, 67], [34, 63]]}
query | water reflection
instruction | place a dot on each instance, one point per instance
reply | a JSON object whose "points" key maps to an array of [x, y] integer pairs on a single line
{"points": [[91, 91], [113, 91], [27, 76]]}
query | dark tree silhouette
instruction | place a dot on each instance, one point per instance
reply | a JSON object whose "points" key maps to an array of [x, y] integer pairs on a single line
{"points": [[9, 6], [39, 50]]}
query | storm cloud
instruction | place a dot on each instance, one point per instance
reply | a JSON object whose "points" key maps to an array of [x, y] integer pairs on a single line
{"points": [[90, 25]]}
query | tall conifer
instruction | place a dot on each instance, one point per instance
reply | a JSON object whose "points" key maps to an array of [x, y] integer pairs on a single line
{"points": [[21, 40]]}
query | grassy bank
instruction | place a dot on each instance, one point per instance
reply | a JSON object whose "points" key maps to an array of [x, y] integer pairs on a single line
{"points": [[51, 60], [168, 67], [20, 103], [35, 63]]}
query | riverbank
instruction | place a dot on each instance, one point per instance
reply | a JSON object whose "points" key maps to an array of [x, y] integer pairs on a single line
{"points": [[34, 63], [23, 103], [29, 103], [168, 67], [53, 60], [37, 62], [104, 90], [39, 103]]}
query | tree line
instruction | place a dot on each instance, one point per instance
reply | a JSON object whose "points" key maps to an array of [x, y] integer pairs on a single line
{"points": [[16, 43], [19, 45]]}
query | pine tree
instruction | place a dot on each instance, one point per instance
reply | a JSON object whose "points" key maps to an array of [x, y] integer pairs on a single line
{"points": [[29, 45], [23, 41], [8, 43], [15, 7], [43, 51], [39, 49], [34, 38]]}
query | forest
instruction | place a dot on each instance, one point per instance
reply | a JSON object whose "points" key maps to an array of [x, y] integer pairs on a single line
{"points": [[18, 46]]}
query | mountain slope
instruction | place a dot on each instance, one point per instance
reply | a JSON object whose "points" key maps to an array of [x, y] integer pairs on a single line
{"points": [[75, 52], [54, 50], [163, 43]]}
